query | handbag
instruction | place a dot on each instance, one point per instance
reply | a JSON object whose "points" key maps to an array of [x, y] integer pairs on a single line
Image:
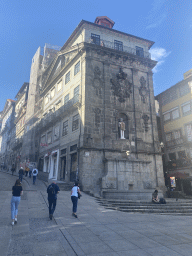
{"points": [[79, 195]]}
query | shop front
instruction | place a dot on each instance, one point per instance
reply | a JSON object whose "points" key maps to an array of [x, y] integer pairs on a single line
{"points": [[180, 182], [54, 164]]}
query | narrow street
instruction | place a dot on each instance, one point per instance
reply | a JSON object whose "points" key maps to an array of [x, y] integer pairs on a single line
{"points": [[97, 231]]}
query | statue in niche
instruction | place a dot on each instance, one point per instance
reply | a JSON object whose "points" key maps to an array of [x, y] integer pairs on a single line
{"points": [[121, 129]]}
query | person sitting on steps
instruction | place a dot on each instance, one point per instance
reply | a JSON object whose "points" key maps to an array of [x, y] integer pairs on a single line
{"points": [[155, 198]]}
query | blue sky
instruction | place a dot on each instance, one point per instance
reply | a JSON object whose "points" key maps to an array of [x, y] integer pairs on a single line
{"points": [[26, 25]]}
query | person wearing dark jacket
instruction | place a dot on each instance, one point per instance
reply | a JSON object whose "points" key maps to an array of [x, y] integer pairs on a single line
{"points": [[13, 169], [52, 190], [21, 173]]}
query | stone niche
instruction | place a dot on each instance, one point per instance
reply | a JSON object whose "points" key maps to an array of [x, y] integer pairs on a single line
{"points": [[128, 179]]}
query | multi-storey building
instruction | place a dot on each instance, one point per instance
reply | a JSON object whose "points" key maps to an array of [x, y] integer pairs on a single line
{"points": [[90, 113], [5, 132], [19, 127], [175, 105], [98, 120]]}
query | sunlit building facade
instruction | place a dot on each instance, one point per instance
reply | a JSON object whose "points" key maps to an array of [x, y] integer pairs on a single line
{"points": [[175, 110]]}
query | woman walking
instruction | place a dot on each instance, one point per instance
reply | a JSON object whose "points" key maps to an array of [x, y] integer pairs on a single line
{"points": [[74, 198], [17, 191]]}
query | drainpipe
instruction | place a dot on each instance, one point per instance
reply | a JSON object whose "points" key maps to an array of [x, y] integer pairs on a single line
{"points": [[104, 118], [152, 130], [78, 148], [134, 114]]}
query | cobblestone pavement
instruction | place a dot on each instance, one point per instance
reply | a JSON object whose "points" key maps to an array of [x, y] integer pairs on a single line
{"points": [[97, 231]]}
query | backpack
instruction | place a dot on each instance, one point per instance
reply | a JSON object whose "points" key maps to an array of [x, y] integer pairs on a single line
{"points": [[35, 172], [51, 190], [162, 201]]}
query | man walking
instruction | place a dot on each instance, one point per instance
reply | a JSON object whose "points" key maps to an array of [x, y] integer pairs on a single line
{"points": [[52, 190], [13, 169], [21, 173], [34, 173]]}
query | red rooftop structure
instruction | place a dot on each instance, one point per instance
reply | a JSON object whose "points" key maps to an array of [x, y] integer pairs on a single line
{"points": [[104, 21]]}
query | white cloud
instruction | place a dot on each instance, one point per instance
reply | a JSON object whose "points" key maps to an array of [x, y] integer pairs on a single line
{"points": [[157, 15], [159, 54], [158, 21]]}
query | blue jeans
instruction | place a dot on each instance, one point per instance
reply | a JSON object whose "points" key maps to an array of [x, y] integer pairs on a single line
{"points": [[34, 179], [52, 205], [74, 200], [14, 206]]}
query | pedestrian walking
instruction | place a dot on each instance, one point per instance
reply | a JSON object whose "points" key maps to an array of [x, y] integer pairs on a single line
{"points": [[13, 169], [30, 171], [75, 194], [26, 171], [34, 173], [52, 190], [17, 191], [21, 173]]}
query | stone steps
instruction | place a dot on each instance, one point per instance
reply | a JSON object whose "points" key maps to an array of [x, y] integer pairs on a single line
{"points": [[65, 186], [182, 207]]}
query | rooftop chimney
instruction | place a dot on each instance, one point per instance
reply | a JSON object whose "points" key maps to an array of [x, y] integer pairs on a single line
{"points": [[104, 21]]}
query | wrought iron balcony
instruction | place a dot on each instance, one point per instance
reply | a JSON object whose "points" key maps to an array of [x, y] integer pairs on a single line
{"points": [[175, 142], [55, 115], [17, 143], [112, 45]]}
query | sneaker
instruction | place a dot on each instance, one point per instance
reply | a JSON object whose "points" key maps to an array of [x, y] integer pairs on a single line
{"points": [[75, 215], [15, 220], [12, 223], [51, 216]]}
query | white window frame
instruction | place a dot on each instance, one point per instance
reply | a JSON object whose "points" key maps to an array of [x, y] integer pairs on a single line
{"points": [[68, 77], [188, 103], [77, 68], [59, 85], [52, 93], [66, 101], [46, 99], [170, 113]]}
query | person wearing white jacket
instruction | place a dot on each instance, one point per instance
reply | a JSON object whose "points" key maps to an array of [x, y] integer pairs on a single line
{"points": [[34, 173]]}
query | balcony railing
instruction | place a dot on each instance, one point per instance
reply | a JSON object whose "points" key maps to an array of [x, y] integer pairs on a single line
{"points": [[55, 114], [17, 143], [111, 45], [175, 142]]}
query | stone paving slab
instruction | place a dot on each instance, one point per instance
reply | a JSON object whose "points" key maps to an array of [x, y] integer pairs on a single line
{"points": [[97, 231]]}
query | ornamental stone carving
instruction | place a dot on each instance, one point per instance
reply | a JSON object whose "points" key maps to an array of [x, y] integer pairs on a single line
{"points": [[121, 86], [97, 81], [143, 91], [146, 119], [97, 116]]}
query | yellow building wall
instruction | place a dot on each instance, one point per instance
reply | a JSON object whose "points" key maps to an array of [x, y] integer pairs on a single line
{"points": [[180, 122]]}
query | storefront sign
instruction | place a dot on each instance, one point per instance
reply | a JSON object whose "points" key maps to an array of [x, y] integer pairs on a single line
{"points": [[172, 181]]}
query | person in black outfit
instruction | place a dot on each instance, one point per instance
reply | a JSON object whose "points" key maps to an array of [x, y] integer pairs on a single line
{"points": [[13, 169], [21, 173], [52, 190], [17, 191]]}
